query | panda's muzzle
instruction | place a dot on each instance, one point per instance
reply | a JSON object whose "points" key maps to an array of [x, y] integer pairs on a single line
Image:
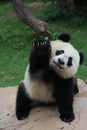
{"points": [[59, 63]]}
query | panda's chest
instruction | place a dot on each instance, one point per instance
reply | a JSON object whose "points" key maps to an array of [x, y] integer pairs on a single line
{"points": [[41, 91]]}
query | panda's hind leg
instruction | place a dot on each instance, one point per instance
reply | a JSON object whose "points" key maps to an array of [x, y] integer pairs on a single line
{"points": [[23, 103]]}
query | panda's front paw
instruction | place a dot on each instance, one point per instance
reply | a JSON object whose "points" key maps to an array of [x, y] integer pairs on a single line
{"points": [[41, 44], [67, 117], [41, 47]]}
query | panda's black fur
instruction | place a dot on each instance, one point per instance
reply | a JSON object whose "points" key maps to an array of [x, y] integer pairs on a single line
{"points": [[54, 87]]}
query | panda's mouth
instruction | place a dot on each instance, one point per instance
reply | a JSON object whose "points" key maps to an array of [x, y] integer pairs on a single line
{"points": [[57, 64]]}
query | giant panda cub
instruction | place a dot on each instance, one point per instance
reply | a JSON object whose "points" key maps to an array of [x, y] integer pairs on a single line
{"points": [[50, 77]]}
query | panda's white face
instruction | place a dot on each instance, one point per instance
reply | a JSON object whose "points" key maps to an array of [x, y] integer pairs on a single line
{"points": [[64, 59]]}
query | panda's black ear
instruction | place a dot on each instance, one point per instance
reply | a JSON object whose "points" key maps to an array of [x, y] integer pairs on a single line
{"points": [[81, 57], [64, 37]]}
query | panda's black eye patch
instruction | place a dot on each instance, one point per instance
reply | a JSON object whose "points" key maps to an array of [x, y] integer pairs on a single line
{"points": [[58, 52], [69, 61]]}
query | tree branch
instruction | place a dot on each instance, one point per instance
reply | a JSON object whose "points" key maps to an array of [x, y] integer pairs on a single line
{"points": [[40, 27]]}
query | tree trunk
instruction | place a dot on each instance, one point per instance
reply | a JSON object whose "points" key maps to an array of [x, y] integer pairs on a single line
{"points": [[40, 27]]}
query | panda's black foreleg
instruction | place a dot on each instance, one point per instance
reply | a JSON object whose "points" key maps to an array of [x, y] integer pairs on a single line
{"points": [[65, 109], [23, 103], [39, 57], [64, 100], [66, 112]]}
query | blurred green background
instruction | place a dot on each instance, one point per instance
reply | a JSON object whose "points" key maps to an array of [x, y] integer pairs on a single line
{"points": [[16, 38]]}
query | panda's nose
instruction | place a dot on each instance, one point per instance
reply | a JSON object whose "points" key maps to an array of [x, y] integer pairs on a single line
{"points": [[61, 61]]}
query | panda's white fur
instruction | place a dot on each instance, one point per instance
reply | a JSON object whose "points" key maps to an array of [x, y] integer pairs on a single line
{"points": [[69, 51], [45, 91], [32, 86]]}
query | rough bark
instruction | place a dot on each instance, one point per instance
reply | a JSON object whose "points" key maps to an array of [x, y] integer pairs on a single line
{"points": [[40, 27]]}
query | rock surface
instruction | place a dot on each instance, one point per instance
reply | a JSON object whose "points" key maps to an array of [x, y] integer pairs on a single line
{"points": [[42, 118]]}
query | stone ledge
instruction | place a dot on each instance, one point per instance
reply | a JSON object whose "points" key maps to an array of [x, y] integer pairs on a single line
{"points": [[42, 118]]}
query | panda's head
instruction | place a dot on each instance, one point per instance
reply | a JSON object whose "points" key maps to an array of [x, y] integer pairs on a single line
{"points": [[65, 59]]}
